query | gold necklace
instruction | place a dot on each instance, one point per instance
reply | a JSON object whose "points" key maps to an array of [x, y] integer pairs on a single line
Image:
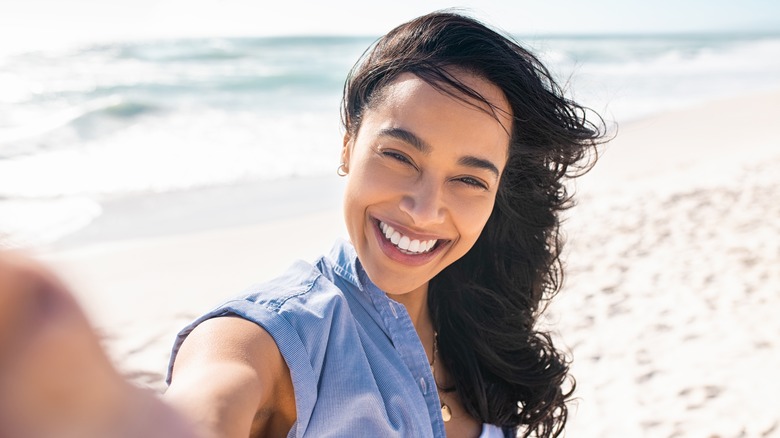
{"points": [[446, 412]]}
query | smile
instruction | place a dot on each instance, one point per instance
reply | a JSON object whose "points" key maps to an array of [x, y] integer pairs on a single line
{"points": [[404, 243]]}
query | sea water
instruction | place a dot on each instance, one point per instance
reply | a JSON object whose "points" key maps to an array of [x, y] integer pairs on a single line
{"points": [[87, 124]]}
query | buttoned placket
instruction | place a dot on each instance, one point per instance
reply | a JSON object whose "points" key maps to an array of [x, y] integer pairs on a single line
{"points": [[400, 330]]}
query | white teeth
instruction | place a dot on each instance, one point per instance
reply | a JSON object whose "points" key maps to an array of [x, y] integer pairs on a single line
{"points": [[405, 243]]}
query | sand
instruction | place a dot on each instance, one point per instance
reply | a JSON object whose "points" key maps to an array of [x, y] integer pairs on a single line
{"points": [[669, 306]]}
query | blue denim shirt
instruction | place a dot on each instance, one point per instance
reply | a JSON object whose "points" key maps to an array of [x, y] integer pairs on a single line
{"points": [[357, 365]]}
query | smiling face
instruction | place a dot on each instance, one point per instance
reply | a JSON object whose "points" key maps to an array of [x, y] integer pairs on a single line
{"points": [[424, 169]]}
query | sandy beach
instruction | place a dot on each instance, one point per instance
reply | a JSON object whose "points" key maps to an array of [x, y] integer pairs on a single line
{"points": [[669, 306]]}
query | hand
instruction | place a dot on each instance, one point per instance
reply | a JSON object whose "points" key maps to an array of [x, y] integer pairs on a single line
{"points": [[55, 378]]}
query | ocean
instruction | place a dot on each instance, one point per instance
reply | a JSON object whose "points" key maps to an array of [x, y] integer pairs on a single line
{"points": [[84, 126]]}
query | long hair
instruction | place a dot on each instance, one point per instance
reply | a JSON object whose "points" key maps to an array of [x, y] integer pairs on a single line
{"points": [[485, 305]]}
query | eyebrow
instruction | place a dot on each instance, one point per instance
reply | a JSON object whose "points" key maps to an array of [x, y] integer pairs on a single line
{"points": [[407, 137], [479, 163], [420, 144]]}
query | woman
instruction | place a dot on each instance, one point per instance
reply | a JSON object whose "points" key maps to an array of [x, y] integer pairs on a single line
{"points": [[456, 144]]}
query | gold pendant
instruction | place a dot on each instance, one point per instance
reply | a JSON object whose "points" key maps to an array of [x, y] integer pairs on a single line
{"points": [[446, 413]]}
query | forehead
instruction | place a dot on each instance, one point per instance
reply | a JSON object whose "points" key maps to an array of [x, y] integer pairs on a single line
{"points": [[442, 117], [409, 87]]}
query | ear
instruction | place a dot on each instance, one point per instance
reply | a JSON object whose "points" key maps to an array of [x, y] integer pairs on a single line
{"points": [[346, 150]]}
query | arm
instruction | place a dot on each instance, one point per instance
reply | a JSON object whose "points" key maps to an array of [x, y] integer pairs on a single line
{"points": [[230, 379], [56, 380]]}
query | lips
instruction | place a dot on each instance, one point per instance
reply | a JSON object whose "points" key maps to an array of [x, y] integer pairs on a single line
{"points": [[406, 244], [391, 241]]}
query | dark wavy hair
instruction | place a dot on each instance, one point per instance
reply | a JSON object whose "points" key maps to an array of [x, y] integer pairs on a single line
{"points": [[485, 305]]}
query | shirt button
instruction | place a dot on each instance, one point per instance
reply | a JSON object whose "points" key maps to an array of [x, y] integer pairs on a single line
{"points": [[423, 386]]}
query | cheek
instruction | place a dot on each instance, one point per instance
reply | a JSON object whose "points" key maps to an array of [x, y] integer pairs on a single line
{"points": [[367, 186], [471, 216]]}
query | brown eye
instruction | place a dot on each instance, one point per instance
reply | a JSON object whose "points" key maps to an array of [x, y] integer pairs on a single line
{"points": [[399, 157], [473, 182]]}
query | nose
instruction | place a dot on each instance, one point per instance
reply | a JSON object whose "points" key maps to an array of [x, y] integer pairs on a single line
{"points": [[424, 202]]}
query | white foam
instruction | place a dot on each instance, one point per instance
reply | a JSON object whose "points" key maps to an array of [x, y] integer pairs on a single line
{"points": [[634, 78], [27, 223], [183, 150]]}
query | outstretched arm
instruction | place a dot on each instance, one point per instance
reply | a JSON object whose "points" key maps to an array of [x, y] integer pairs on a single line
{"points": [[56, 380], [230, 379]]}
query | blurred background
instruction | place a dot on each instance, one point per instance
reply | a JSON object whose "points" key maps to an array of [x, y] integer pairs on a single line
{"points": [[129, 119]]}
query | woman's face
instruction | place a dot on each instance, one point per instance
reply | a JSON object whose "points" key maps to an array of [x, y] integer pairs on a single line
{"points": [[424, 169]]}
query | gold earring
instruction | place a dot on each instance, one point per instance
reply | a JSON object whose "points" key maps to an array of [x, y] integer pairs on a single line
{"points": [[342, 170]]}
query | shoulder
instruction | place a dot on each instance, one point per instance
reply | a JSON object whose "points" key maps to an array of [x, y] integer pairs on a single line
{"points": [[230, 378], [303, 296], [275, 332], [292, 308], [229, 340]]}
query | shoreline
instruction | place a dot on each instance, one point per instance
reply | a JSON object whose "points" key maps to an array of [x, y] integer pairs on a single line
{"points": [[703, 134], [151, 215]]}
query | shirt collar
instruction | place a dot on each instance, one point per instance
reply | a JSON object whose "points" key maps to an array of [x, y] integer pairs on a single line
{"points": [[345, 263], [347, 266]]}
